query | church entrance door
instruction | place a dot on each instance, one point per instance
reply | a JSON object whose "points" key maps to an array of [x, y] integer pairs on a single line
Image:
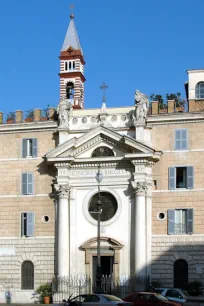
{"points": [[106, 266]]}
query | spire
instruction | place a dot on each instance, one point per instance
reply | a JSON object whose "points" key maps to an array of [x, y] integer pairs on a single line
{"points": [[71, 38]]}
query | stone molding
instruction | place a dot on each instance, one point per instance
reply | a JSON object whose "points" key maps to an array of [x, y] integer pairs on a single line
{"points": [[96, 140], [145, 162], [119, 164], [87, 198]]}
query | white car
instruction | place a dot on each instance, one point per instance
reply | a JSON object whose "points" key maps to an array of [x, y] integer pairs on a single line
{"points": [[92, 299], [173, 294]]}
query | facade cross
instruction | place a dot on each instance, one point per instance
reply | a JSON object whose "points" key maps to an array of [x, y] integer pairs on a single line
{"points": [[103, 87]]}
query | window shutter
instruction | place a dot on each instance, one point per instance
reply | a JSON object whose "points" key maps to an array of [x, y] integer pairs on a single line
{"points": [[190, 221], [24, 148], [184, 139], [177, 142], [190, 177], [172, 178], [30, 183], [171, 222], [34, 147], [22, 224], [30, 224], [24, 183]]}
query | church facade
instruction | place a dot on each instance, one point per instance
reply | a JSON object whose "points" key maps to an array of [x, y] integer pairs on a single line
{"points": [[151, 189]]}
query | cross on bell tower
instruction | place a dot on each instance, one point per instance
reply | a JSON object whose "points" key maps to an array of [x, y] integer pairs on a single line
{"points": [[72, 66]]}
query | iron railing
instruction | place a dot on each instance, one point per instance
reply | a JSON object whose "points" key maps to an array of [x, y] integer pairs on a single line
{"points": [[180, 228], [64, 287]]}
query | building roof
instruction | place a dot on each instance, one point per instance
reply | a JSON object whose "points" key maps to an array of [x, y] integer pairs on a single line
{"points": [[71, 38]]}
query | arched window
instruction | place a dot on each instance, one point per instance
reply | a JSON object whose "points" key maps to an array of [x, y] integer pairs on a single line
{"points": [[102, 152], [200, 90], [180, 273], [27, 275], [70, 90], [109, 206]]}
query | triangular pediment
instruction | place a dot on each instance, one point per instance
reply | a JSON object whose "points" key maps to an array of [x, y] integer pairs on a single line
{"points": [[83, 146]]}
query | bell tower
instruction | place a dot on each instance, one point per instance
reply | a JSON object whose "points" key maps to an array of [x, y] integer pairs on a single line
{"points": [[72, 68]]}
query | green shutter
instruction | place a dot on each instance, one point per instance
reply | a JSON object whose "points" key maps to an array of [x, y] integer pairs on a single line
{"points": [[22, 224], [24, 148], [30, 183], [177, 137], [171, 221], [190, 221], [30, 224], [190, 177], [24, 183], [34, 147], [172, 178], [180, 139]]}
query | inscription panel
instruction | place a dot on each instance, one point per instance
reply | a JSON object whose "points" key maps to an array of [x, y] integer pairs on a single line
{"points": [[105, 172]]}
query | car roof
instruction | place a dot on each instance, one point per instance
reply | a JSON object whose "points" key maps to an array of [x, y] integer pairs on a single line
{"points": [[168, 288], [142, 292]]}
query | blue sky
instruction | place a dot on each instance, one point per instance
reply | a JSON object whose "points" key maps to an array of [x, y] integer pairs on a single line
{"points": [[146, 45]]}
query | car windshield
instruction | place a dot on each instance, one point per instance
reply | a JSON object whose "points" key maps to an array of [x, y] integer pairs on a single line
{"points": [[112, 298], [161, 297]]}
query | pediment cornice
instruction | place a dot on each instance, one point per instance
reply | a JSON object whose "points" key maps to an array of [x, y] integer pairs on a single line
{"points": [[75, 147]]}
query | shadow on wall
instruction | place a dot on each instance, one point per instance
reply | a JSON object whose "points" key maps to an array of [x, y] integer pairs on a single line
{"points": [[175, 263]]}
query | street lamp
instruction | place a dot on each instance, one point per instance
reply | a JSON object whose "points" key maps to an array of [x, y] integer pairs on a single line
{"points": [[99, 178]]}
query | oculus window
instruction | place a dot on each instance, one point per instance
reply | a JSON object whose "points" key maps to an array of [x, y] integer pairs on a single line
{"points": [[109, 206]]}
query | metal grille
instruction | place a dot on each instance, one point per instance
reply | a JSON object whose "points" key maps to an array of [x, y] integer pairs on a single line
{"points": [[109, 206], [27, 275], [63, 287], [180, 228]]}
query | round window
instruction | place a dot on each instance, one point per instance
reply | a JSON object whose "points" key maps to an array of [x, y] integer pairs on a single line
{"points": [[108, 206], [161, 216], [46, 219]]}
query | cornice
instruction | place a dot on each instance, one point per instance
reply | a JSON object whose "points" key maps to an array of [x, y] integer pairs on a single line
{"points": [[175, 118], [34, 126]]}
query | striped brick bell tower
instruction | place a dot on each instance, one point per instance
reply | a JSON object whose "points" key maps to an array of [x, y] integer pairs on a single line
{"points": [[72, 67]]}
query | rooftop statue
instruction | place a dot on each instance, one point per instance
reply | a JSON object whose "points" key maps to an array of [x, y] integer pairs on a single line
{"points": [[142, 105], [63, 110]]}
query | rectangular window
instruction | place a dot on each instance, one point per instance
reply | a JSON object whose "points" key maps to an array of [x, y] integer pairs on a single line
{"points": [[181, 139], [29, 147], [180, 221], [27, 183], [27, 224], [181, 177]]}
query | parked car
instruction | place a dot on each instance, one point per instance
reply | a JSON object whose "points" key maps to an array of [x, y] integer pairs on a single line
{"points": [[93, 299], [149, 299], [173, 294]]}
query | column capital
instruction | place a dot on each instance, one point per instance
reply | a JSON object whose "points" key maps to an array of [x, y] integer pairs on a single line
{"points": [[63, 191], [139, 187]]}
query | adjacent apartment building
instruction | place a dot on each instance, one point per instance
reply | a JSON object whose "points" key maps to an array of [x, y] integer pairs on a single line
{"points": [[152, 189]]}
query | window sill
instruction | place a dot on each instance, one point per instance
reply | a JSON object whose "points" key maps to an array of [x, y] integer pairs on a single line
{"points": [[179, 235]]}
